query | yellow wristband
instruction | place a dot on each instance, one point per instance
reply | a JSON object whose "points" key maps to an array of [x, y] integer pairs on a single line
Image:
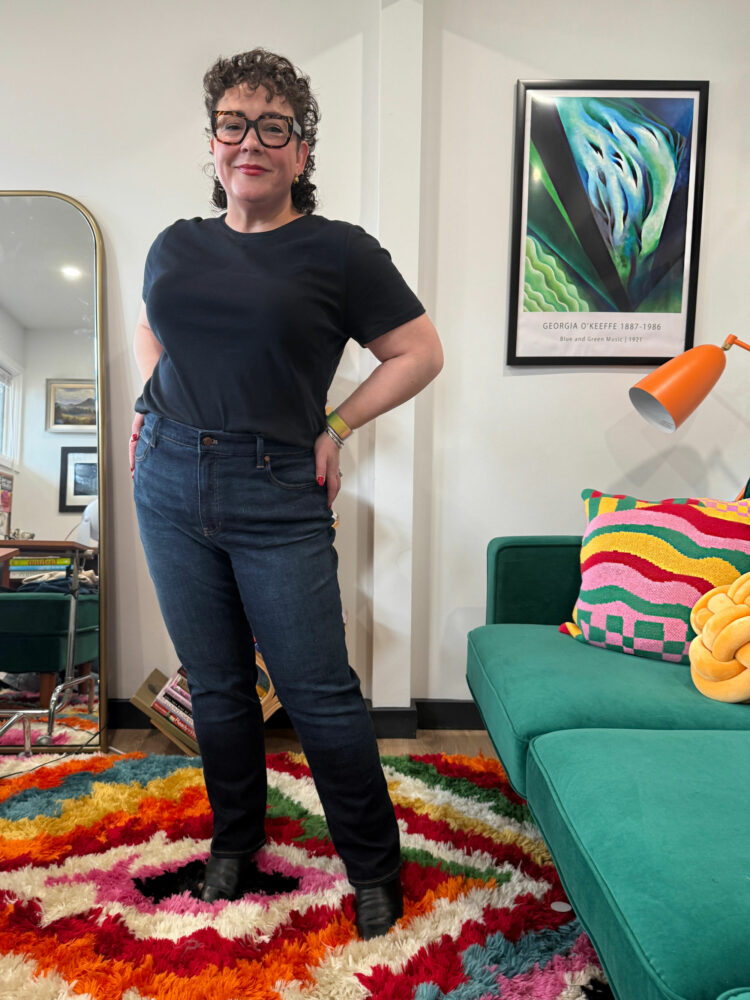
{"points": [[338, 425]]}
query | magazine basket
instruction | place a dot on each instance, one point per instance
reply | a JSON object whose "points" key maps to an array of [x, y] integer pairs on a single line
{"points": [[269, 701]]}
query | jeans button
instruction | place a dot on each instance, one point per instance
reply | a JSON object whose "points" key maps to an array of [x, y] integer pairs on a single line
{"points": [[208, 441]]}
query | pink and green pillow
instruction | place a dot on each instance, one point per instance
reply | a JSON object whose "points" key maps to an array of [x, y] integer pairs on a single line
{"points": [[644, 565]]}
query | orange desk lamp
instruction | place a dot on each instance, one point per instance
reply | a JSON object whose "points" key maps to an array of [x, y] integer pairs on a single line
{"points": [[667, 396]]}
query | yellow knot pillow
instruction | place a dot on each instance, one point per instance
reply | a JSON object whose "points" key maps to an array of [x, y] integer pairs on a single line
{"points": [[720, 652]]}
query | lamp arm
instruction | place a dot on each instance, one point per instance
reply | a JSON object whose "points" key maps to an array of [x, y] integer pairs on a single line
{"points": [[731, 341]]}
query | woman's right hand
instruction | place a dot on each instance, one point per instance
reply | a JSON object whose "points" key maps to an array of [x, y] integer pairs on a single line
{"points": [[135, 432]]}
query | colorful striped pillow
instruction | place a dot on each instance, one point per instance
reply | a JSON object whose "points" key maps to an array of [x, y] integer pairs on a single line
{"points": [[645, 564]]}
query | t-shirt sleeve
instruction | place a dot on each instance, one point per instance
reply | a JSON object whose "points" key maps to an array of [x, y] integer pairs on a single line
{"points": [[377, 298], [152, 263]]}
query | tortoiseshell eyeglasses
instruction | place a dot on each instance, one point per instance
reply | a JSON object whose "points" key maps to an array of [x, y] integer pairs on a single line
{"points": [[273, 130]]}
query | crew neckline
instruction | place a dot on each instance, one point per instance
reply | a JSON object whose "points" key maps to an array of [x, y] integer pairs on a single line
{"points": [[278, 232]]}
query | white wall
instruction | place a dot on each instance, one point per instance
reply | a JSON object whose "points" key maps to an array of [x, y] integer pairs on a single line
{"points": [[513, 448], [497, 450], [60, 354]]}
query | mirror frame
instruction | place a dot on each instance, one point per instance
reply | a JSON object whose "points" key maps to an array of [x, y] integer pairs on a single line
{"points": [[103, 743]]}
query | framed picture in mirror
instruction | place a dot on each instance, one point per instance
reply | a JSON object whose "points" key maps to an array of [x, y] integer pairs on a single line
{"points": [[79, 479], [71, 406]]}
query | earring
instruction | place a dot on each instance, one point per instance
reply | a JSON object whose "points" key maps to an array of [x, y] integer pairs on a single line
{"points": [[296, 179]]}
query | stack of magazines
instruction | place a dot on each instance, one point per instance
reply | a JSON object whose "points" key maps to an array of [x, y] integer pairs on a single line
{"points": [[173, 702]]}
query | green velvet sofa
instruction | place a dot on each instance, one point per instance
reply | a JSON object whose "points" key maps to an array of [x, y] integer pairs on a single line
{"points": [[639, 784]]}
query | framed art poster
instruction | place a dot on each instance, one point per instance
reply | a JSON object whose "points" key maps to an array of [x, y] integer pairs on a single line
{"points": [[608, 189], [79, 479]]}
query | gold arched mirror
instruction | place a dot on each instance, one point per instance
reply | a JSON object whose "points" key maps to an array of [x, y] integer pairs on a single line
{"points": [[52, 502]]}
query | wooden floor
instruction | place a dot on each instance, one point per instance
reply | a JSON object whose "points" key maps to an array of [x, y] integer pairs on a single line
{"points": [[464, 741]]}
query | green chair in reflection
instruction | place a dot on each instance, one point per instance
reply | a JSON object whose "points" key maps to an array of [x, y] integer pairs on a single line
{"points": [[34, 636]]}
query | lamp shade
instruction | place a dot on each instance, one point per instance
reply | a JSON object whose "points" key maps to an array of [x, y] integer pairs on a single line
{"points": [[666, 397]]}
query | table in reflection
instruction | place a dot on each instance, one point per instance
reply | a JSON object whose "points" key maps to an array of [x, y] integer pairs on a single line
{"points": [[5, 557]]}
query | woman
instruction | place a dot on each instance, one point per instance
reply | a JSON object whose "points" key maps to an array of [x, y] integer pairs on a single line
{"points": [[236, 467]]}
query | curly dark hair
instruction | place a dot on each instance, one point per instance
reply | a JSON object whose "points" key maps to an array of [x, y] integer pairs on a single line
{"points": [[282, 79]]}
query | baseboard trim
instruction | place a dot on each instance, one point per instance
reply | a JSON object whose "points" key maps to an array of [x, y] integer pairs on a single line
{"points": [[448, 713], [389, 723], [393, 723], [122, 715]]}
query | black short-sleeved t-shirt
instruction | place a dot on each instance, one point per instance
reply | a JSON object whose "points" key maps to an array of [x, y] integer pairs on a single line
{"points": [[253, 325]]}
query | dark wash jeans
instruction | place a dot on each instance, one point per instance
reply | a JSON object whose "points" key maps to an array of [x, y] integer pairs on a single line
{"points": [[239, 539]]}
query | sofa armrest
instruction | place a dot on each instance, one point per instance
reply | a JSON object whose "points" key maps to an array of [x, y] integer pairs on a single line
{"points": [[533, 578]]}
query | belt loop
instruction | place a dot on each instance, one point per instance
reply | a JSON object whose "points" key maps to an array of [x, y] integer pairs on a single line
{"points": [[259, 463], [155, 431]]}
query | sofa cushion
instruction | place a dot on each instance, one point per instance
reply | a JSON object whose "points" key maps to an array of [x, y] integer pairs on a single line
{"points": [[34, 631], [649, 831], [644, 565], [45, 614], [529, 679]]}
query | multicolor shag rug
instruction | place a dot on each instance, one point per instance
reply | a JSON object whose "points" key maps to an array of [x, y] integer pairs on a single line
{"points": [[98, 856], [73, 725]]}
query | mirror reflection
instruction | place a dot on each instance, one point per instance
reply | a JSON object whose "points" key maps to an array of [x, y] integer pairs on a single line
{"points": [[49, 474]]}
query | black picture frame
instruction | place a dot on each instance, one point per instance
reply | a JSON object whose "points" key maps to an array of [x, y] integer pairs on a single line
{"points": [[79, 479], [607, 203]]}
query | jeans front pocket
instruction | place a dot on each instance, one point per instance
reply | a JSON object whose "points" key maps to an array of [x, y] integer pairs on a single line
{"points": [[293, 471]]}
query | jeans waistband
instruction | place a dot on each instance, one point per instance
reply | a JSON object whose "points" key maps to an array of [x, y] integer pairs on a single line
{"points": [[219, 442]]}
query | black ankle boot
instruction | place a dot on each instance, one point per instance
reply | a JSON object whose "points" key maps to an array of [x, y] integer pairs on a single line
{"points": [[377, 908], [232, 878], [225, 878]]}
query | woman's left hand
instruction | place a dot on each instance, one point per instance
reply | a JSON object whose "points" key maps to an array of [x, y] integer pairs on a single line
{"points": [[327, 469], [135, 432]]}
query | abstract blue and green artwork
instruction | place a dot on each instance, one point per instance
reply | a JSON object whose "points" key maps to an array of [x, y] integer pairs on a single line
{"points": [[608, 225]]}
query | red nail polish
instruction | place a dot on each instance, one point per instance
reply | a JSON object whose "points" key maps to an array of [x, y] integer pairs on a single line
{"points": [[134, 437], [321, 480]]}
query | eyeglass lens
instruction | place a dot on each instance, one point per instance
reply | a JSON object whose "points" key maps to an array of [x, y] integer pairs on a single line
{"points": [[272, 131]]}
